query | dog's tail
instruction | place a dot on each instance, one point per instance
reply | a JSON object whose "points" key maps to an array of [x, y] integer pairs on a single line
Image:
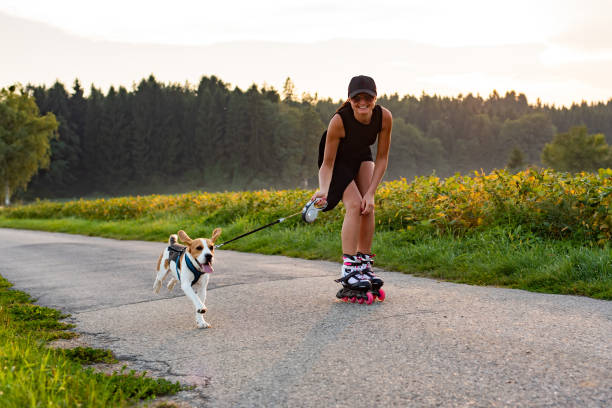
{"points": [[173, 239]]}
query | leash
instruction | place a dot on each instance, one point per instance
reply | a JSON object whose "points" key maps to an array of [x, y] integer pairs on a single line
{"points": [[309, 214]]}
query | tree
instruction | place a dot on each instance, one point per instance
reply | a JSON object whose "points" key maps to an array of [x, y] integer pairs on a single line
{"points": [[412, 153], [112, 140], [529, 132], [576, 151], [311, 128], [516, 160], [480, 139], [92, 163], [289, 91], [148, 120], [24, 139], [239, 132], [61, 178]]}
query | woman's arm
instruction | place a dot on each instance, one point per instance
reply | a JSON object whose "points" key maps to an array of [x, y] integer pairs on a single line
{"points": [[335, 132], [380, 165]]}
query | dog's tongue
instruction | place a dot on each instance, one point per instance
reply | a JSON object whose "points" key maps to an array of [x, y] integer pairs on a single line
{"points": [[207, 269]]}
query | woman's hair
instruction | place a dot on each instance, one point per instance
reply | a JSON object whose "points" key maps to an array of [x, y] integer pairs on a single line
{"points": [[347, 102]]}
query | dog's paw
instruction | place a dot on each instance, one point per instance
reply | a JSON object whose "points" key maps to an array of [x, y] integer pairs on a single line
{"points": [[171, 284], [202, 310], [204, 325]]}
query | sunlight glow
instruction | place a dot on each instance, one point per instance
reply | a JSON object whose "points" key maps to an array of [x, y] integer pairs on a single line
{"points": [[437, 46], [470, 22], [556, 55]]}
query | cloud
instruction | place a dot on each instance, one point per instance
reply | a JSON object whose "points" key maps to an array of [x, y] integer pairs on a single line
{"points": [[586, 25], [592, 35], [192, 22]]}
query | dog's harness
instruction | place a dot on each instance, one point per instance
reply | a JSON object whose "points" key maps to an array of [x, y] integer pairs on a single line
{"points": [[176, 251]]}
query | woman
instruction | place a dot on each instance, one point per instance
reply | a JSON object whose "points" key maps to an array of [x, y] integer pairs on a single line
{"points": [[347, 171]]}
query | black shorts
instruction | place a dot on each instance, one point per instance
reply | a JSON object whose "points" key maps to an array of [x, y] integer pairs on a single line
{"points": [[344, 172], [346, 168]]}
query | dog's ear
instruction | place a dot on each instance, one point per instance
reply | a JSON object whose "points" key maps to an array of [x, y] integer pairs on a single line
{"points": [[184, 237], [215, 234]]}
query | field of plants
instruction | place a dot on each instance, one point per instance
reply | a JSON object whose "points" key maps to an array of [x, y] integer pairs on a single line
{"points": [[537, 229], [556, 205]]}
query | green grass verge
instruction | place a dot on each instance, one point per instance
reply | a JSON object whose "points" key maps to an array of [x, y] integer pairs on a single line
{"points": [[33, 375], [498, 256]]}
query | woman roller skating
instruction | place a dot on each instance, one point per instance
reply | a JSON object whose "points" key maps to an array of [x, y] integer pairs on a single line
{"points": [[348, 172]]}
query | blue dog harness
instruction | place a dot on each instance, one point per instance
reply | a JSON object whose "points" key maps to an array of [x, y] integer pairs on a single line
{"points": [[196, 273]]}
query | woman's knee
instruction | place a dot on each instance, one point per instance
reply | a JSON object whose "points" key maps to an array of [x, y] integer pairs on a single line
{"points": [[351, 198], [352, 206]]}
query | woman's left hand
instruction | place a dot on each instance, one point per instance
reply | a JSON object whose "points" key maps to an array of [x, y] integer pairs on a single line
{"points": [[367, 204]]}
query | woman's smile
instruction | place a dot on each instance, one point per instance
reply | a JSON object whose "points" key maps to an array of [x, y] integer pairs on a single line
{"points": [[363, 104]]}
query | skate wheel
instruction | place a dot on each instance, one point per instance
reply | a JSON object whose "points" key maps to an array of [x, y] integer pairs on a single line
{"points": [[352, 299], [344, 299], [370, 298], [381, 295], [360, 301]]}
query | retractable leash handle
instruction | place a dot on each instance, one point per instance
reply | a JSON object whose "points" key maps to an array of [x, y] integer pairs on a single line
{"points": [[311, 210]]}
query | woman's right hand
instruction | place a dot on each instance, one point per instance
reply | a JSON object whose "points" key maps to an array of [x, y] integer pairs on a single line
{"points": [[320, 197]]}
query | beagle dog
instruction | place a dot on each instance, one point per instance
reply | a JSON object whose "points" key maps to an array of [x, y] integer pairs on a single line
{"points": [[191, 265]]}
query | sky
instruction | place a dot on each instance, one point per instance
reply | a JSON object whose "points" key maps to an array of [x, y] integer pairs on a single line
{"points": [[558, 51]]}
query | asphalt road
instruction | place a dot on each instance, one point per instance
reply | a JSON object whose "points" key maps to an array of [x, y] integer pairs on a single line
{"points": [[279, 337]]}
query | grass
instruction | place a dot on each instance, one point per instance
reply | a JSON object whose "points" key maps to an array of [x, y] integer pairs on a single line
{"points": [[88, 355], [34, 375], [498, 256]]}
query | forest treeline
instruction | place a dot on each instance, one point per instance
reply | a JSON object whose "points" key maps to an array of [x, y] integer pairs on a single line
{"points": [[166, 138]]}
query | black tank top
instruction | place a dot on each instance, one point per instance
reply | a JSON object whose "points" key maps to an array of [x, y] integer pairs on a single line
{"points": [[358, 137]]}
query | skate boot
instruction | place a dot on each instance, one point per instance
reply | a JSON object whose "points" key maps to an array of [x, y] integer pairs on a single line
{"points": [[367, 260], [355, 285]]}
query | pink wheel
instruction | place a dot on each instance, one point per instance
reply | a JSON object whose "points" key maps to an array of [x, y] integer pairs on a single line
{"points": [[352, 299], [370, 298], [381, 295], [360, 301], [344, 299]]}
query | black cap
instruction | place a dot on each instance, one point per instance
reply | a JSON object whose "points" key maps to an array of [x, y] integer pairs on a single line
{"points": [[361, 84]]}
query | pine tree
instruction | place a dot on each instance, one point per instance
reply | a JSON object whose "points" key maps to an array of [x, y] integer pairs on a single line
{"points": [[289, 91], [92, 162], [145, 155], [238, 134], [113, 175], [60, 178]]}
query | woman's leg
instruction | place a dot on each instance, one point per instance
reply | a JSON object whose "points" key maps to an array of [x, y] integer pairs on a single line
{"points": [[351, 198], [367, 222]]}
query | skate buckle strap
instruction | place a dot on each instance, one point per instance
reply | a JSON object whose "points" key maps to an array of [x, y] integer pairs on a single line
{"points": [[368, 258], [346, 277]]}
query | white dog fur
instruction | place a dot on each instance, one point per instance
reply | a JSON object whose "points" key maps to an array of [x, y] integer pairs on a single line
{"points": [[201, 254]]}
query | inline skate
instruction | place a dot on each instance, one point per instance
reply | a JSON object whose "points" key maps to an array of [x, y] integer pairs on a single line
{"points": [[367, 260], [356, 286]]}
